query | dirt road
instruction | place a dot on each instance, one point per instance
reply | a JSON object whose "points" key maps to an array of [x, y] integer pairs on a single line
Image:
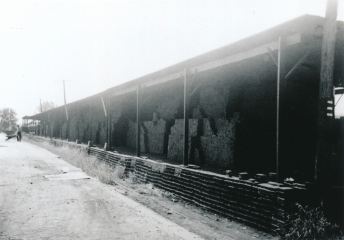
{"points": [[32, 207]]}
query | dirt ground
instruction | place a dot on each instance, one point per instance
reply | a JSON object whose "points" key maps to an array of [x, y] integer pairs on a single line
{"points": [[32, 207]]}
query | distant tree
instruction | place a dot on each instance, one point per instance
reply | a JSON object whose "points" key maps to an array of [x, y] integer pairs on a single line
{"points": [[8, 120], [46, 106]]}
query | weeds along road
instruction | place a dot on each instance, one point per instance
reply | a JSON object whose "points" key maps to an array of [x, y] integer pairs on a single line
{"points": [[32, 207]]}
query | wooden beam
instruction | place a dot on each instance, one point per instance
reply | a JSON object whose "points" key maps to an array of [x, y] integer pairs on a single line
{"points": [[145, 100], [290, 40], [195, 89], [125, 91], [186, 121], [104, 108], [138, 121], [254, 52], [280, 94], [326, 96], [297, 65], [164, 79], [271, 52]]}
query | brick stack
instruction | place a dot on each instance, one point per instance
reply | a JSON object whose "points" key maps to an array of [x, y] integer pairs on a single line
{"points": [[217, 141], [131, 137], [175, 140], [155, 135], [260, 205], [219, 149]]}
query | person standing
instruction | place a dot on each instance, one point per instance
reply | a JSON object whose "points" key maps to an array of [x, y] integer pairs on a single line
{"points": [[19, 136]]}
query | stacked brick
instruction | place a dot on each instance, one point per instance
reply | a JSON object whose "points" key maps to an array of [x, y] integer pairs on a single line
{"points": [[131, 137], [219, 149], [217, 140], [175, 140], [260, 205], [154, 135]]}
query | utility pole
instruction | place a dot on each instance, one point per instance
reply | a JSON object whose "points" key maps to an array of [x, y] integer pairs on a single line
{"points": [[64, 95], [326, 97]]}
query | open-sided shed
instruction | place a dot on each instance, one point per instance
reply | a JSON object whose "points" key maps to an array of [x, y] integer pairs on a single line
{"points": [[219, 108]]}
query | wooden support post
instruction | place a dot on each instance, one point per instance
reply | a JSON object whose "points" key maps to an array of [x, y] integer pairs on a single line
{"points": [[326, 97], [108, 123], [186, 121], [138, 121], [281, 87]]}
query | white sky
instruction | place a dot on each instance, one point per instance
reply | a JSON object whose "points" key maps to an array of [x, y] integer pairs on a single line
{"points": [[95, 45]]}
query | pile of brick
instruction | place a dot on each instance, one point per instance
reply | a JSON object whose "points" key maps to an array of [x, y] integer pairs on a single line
{"points": [[218, 148], [260, 205], [217, 140], [131, 136], [154, 135], [176, 138]]}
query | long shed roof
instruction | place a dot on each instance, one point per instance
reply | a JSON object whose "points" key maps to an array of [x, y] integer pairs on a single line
{"points": [[296, 31]]}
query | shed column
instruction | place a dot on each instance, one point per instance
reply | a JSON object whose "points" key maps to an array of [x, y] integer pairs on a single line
{"points": [[138, 121], [186, 121], [281, 88], [108, 119]]}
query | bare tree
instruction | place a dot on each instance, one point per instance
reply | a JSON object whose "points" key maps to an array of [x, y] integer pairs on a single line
{"points": [[45, 106], [8, 120]]}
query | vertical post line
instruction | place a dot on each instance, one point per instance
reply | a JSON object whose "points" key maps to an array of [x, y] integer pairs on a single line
{"points": [[109, 120], [280, 93], [105, 105], [326, 95], [138, 121], [186, 121]]}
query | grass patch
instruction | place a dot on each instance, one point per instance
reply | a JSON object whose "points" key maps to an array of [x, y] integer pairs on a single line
{"points": [[99, 169], [310, 223]]}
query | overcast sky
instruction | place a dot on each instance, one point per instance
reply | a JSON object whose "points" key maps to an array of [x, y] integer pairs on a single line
{"points": [[95, 45]]}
